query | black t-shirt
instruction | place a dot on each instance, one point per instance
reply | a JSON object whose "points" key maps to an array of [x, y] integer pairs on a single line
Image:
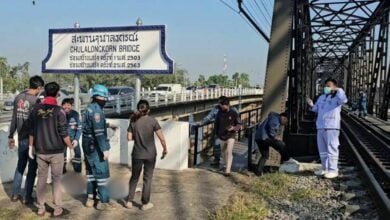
{"points": [[143, 135], [226, 120]]}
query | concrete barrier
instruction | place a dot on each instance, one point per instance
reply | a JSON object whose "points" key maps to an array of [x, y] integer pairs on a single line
{"points": [[8, 158], [177, 137], [176, 134]]}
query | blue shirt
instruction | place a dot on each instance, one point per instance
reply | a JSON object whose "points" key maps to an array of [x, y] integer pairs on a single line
{"points": [[328, 108], [269, 128], [74, 125], [213, 115], [94, 127]]}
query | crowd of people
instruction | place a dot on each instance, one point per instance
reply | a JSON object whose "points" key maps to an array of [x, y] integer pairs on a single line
{"points": [[46, 130]]}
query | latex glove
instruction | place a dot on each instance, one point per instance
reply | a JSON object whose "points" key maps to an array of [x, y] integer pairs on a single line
{"points": [[31, 152], [75, 143], [106, 154], [309, 102], [11, 143]]}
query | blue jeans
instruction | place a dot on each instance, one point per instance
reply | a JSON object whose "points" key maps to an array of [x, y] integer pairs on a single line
{"points": [[31, 174], [363, 109]]}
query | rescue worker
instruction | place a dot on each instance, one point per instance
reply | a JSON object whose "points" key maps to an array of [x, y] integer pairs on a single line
{"points": [[362, 103], [96, 148], [74, 131], [328, 108]]}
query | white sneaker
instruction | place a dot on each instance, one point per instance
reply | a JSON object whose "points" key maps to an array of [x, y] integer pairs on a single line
{"points": [[331, 175], [291, 161], [320, 172], [147, 206]]}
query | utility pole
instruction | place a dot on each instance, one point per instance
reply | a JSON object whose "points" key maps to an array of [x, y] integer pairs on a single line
{"points": [[77, 82], [137, 79], [1, 89]]}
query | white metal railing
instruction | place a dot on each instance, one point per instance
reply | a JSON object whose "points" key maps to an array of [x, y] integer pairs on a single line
{"points": [[157, 99], [164, 98]]}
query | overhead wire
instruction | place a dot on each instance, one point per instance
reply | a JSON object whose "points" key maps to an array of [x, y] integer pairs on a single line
{"points": [[236, 11], [265, 22]]}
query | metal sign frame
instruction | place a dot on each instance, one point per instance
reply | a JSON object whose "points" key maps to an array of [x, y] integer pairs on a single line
{"points": [[164, 54]]}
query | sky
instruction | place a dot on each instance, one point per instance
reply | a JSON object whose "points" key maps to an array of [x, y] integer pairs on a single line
{"points": [[199, 32]]}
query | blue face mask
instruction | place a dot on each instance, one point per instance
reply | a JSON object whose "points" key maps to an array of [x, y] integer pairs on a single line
{"points": [[327, 90]]}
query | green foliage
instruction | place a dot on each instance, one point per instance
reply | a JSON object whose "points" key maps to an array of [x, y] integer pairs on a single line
{"points": [[180, 77], [242, 206], [254, 196], [224, 81], [14, 77]]}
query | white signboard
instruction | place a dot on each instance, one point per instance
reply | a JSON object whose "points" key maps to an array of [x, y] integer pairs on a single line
{"points": [[133, 50]]}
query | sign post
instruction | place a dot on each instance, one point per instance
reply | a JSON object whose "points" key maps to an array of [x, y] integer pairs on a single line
{"points": [[77, 83], [137, 79], [108, 50]]}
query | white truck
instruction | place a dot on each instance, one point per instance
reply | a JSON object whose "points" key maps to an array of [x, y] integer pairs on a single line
{"points": [[165, 91]]}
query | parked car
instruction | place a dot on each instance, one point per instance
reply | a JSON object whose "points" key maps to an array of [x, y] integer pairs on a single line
{"points": [[213, 87], [84, 96], [165, 91], [8, 105], [123, 93], [191, 88]]}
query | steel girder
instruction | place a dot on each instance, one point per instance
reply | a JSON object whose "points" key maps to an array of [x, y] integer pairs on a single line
{"points": [[350, 41]]}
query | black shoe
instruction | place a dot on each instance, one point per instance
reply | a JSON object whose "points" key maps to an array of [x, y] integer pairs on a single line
{"points": [[215, 163], [28, 201], [227, 174]]}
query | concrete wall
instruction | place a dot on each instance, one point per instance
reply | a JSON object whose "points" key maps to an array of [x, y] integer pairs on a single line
{"points": [[176, 134], [8, 158], [177, 137]]}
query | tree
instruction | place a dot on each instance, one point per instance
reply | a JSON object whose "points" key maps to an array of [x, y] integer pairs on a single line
{"points": [[201, 80], [222, 80], [244, 80], [236, 78], [179, 76], [14, 77]]}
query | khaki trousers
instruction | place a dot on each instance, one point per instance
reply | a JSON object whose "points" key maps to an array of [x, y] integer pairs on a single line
{"points": [[56, 163], [227, 152]]}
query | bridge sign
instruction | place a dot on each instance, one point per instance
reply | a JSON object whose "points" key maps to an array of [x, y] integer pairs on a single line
{"points": [[131, 50]]}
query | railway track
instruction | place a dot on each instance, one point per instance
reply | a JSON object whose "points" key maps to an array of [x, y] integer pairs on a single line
{"points": [[369, 148]]}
